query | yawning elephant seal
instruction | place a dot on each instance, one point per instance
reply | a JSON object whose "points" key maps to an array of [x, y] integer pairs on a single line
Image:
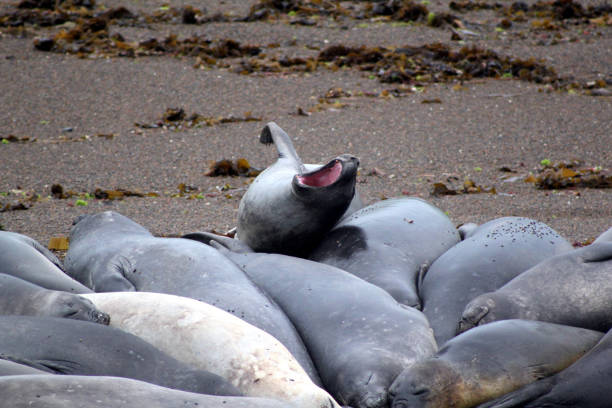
{"points": [[288, 209]]}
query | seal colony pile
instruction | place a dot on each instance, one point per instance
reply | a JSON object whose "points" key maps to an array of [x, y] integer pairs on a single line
{"points": [[317, 301]]}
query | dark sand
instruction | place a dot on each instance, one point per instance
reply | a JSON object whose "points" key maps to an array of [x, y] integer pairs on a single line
{"points": [[475, 130]]}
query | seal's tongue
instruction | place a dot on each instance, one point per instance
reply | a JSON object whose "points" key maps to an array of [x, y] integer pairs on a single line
{"points": [[322, 177]]}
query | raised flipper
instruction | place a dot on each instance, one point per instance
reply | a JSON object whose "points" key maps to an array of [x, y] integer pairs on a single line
{"points": [[523, 395], [208, 238], [272, 133]]}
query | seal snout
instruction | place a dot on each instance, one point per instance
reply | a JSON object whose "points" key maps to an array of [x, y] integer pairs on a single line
{"points": [[471, 317], [100, 317]]}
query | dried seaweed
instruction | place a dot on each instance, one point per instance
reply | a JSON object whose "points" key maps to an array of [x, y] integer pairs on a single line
{"points": [[571, 174], [225, 167], [177, 119], [469, 187]]}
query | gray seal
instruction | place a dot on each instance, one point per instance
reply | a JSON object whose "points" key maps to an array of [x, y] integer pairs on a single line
{"points": [[288, 209], [74, 347], [585, 384], [493, 254], [109, 253], [359, 337], [19, 297], [388, 243], [574, 288], [61, 391], [25, 258], [490, 361]]}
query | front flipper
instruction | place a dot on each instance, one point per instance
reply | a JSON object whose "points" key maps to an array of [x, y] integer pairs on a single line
{"points": [[272, 133], [234, 245], [115, 277], [523, 395]]}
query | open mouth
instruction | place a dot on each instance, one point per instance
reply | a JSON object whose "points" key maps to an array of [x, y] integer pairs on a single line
{"points": [[323, 177]]}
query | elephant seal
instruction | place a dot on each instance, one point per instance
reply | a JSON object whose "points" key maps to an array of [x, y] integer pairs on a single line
{"points": [[359, 337], [490, 361], [574, 288], [25, 258], [584, 384], [73, 391], [109, 253], [76, 347], [210, 339], [387, 244], [493, 254], [19, 297], [288, 209]]}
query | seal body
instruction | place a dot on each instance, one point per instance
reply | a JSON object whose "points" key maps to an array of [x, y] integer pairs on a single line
{"points": [[359, 337], [110, 252], [387, 244], [63, 391], [25, 258], [574, 288], [493, 254], [210, 339], [75, 347], [586, 383], [19, 297], [490, 361], [288, 209]]}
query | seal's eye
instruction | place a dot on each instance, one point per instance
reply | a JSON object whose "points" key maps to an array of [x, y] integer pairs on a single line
{"points": [[323, 177]]}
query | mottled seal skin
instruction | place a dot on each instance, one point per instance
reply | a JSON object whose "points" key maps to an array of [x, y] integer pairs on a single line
{"points": [[490, 361], [574, 288], [288, 209], [387, 244], [19, 297], [76, 347], [359, 337], [25, 258], [493, 254], [109, 253], [61, 391], [584, 384], [210, 339]]}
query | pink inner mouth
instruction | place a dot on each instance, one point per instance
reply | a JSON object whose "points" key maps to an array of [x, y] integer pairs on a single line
{"points": [[323, 177]]}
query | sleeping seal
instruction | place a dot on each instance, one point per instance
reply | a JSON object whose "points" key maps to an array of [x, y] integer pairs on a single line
{"points": [[492, 255], [288, 209], [583, 384], [489, 361], [19, 297], [574, 288]]}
